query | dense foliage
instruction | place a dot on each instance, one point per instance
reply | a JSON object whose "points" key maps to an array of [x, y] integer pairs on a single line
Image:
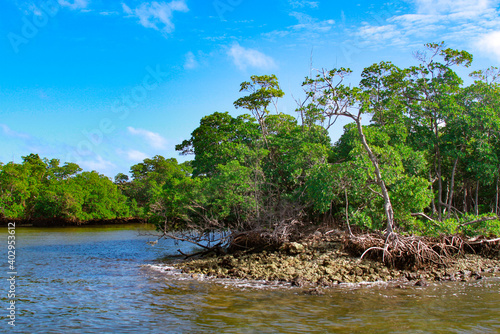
{"points": [[42, 188], [428, 162]]}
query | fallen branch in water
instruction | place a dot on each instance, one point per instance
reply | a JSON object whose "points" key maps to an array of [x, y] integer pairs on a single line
{"points": [[216, 249]]}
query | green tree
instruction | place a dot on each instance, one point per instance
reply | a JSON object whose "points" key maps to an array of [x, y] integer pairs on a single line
{"points": [[431, 99], [219, 139], [333, 98]]}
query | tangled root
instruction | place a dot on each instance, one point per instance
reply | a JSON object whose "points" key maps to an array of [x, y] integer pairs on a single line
{"points": [[404, 252], [252, 241]]}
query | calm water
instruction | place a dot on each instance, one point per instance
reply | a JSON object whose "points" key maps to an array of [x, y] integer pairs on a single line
{"points": [[102, 280]]}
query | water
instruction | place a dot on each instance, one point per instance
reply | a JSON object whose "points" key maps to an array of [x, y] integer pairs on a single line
{"points": [[103, 280]]}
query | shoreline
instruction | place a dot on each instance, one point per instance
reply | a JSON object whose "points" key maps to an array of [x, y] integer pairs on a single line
{"points": [[63, 222], [324, 263], [172, 271]]}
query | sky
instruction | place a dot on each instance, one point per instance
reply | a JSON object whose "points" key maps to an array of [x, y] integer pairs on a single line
{"points": [[107, 84]]}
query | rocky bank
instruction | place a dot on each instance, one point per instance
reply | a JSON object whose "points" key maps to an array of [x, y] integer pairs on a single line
{"points": [[324, 262]]}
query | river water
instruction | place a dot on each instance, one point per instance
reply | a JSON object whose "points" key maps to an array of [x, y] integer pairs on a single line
{"points": [[105, 280]]}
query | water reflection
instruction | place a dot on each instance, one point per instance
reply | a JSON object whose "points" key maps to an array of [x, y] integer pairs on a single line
{"points": [[91, 279]]}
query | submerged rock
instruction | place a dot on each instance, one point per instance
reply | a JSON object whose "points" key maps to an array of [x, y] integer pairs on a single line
{"points": [[421, 282]]}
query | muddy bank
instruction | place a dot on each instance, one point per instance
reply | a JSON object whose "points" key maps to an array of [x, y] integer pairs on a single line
{"points": [[61, 222], [325, 262]]}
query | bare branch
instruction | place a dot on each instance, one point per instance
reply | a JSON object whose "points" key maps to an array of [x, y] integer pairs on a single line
{"points": [[421, 214], [479, 221]]}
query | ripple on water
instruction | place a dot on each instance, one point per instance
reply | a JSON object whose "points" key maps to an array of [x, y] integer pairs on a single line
{"points": [[99, 280]]}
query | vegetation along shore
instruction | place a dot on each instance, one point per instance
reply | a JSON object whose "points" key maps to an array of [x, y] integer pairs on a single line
{"points": [[415, 193]]}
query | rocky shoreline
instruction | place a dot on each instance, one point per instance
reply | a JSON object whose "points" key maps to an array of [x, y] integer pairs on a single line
{"points": [[324, 263]]}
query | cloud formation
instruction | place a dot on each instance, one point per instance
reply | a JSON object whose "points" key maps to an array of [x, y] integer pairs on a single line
{"points": [[455, 21], [135, 155], [157, 15], [311, 24], [490, 44], [11, 133], [191, 61], [74, 4], [153, 139], [243, 58], [99, 164], [433, 7], [303, 3]]}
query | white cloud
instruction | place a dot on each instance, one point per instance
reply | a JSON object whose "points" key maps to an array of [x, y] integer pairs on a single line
{"points": [[11, 133], [127, 9], [157, 15], [490, 44], [243, 58], [460, 22], [99, 164], [471, 7], [378, 33], [153, 139], [308, 30], [191, 61], [74, 4], [135, 155], [309, 23], [108, 13], [303, 3]]}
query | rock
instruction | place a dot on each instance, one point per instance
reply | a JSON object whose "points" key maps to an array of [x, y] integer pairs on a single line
{"points": [[466, 273], [315, 292], [412, 276], [291, 271], [317, 234], [421, 282], [293, 248], [298, 281]]}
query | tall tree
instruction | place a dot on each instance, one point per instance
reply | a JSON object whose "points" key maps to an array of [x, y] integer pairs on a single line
{"points": [[333, 98], [431, 99]]}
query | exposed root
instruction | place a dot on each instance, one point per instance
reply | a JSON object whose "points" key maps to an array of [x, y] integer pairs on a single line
{"points": [[252, 241], [485, 247], [406, 251]]}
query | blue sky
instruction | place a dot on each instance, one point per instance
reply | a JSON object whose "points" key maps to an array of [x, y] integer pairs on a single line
{"points": [[109, 83]]}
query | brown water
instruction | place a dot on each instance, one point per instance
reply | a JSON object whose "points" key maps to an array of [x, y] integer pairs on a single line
{"points": [[101, 279]]}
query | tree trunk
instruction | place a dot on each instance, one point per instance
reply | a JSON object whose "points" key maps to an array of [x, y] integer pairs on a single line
{"points": [[496, 197], [347, 213], [432, 192], [438, 171], [477, 198], [465, 198], [452, 184], [389, 213]]}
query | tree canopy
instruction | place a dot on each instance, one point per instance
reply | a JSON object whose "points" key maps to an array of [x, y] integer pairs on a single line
{"points": [[428, 162]]}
